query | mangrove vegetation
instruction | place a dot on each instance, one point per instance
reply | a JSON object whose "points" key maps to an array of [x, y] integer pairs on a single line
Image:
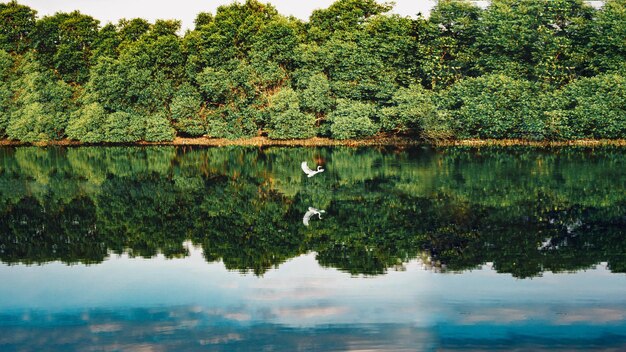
{"points": [[535, 70]]}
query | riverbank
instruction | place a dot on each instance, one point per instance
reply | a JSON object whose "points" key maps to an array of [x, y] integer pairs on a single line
{"points": [[322, 142]]}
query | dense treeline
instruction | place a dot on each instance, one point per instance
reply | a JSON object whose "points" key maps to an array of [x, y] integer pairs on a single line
{"points": [[525, 210], [541, 69]]}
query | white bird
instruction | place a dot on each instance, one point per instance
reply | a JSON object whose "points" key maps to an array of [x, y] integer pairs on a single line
{"points": [[311, 212], [309, 172]]}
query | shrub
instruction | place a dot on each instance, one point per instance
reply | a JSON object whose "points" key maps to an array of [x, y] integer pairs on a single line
{"points": [[185, 109], [316, 97], [495, 106], [5, 107], [123, 127], [592, 108], [24, 126], [352, 119], [286, 119], [410, 108], [86, 124], [232, 122], [159, 129], [41, 103]]}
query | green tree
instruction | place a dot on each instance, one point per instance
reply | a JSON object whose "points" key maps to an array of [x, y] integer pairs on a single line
{"points": [[343, 15], [131, 30], [538, 40], [64, 42], [188, 112], [107, 42], [87, 124], [123, 127], [592, 108], [18, 24], [446, 41], [41, 103], [159, 128], [413, 111], [353, 119], [286, 119], [6, 94], [608, 51], [496, 106]]}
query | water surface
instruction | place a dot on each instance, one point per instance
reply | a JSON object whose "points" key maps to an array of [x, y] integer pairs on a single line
{"points": [[164, 249]]}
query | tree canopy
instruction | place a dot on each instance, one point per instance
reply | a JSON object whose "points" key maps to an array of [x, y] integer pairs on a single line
{"points": [[515, 69]]}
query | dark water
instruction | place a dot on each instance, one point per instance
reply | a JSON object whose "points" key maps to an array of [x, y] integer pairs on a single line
{"points": [[179, 249]]}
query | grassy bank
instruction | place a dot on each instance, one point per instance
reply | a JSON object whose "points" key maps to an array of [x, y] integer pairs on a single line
{"points": [[319, 142]]}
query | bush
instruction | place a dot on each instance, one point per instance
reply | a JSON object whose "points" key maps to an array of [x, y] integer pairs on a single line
{"points": [[6, 94], [6, 64], [286, 119], [33, 123], [122, 127], [316, 97], [87, 123], [23, 125], [41, 103], [5, 107], [232, 122], [410, 108], [592, 108], [185, 109], [159, 129], [495, 106], [352, 119]]}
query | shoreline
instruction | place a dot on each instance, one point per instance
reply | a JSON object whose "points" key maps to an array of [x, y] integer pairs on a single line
{"points": [[327, 142]]}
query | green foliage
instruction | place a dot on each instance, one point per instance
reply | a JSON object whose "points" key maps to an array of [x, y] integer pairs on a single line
{"points": [[41, 104], [540, 40], [343, 15], [159, 129], [18, 24], [86, 124], [353, 119], [592, 108], [498, 72], [131, 30], [496, 106], [187, 111], [609, 29], [123, 127], [286, 119], [244, 207], [446, 42], [107, 42], [6, 94], [316, 97], [233, 31], [64, 42], [232, 122], [411, 108]]}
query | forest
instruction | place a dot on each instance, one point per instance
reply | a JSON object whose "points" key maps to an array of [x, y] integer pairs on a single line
{"points": [[532, 70]]}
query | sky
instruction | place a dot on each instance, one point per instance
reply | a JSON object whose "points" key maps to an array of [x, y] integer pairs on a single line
{"points": [[186, 10]]}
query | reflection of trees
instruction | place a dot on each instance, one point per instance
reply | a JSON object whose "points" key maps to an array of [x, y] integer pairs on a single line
{"points": [[525, 210]]}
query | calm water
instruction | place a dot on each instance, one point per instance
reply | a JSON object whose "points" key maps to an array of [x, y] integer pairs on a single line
{"points": [[179, 249]]}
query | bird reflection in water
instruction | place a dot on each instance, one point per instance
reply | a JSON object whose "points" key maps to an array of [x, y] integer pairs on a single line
{"points": [[310, 213]]}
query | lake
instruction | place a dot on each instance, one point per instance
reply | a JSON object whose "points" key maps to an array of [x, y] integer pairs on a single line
{"points": [[388, 249]]}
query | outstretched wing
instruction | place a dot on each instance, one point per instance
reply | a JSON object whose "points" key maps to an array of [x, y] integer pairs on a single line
{"points": [[305, 168], [307, 216]]}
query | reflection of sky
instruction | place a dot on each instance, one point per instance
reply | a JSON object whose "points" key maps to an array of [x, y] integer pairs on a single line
{"points": [[301, 298]]}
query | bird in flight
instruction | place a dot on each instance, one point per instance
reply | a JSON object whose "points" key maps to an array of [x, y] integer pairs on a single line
{"points": [[309, 172]]}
